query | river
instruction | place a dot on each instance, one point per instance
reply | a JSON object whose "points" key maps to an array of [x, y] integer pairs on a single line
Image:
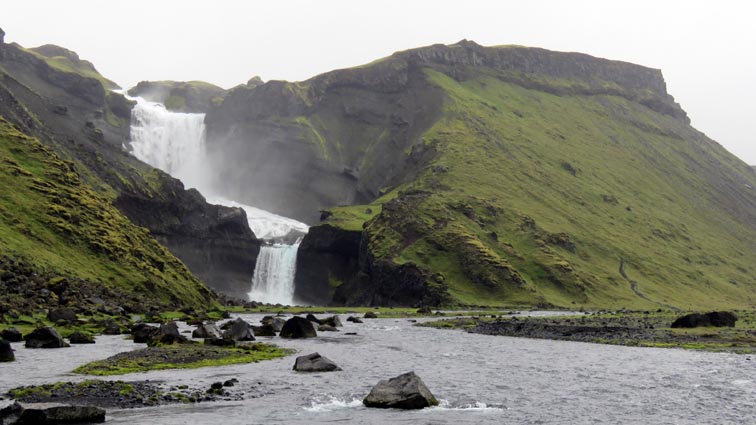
{"points": [[478, 378]]}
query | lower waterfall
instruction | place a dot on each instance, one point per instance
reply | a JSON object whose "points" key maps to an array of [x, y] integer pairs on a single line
{"points": [[175, 143]]}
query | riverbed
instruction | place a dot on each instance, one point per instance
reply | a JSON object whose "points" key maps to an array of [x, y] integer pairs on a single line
{"points": [[477, 378]]}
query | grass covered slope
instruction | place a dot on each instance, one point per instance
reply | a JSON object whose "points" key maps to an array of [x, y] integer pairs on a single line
{"points": [[555, 188], [48, 216]]}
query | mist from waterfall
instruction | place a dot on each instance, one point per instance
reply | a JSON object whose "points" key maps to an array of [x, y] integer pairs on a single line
{"points": [[175, 143]]}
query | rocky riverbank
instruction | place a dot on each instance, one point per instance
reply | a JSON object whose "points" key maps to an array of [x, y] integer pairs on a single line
{"points": [[645, 329]]}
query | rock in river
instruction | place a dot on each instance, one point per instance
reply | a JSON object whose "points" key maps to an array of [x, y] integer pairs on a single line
{"points": [[207, 330], [11, 335], [332, 321], [314, 363], [50, 413], [6, 352], [405, 391], [276, 322], [143, 332], [80, 337], [169, 334], [240, 331], [298, 327], [45, 337]]}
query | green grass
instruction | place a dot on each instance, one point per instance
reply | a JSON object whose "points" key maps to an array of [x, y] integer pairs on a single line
{"points": [[543, 194], [172, 357], [62, 225]]}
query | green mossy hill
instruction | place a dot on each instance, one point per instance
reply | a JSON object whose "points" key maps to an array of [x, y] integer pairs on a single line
{"points": [[68, 61], [180, 96], [501, 176], [49, 217]]}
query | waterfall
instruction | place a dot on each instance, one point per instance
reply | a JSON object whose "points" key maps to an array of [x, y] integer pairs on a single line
{"points": [[175, 143]]}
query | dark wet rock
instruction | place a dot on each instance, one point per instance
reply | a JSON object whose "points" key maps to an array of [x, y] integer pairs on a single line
{"points": [[231, 382], [314, 363], [11, 335], [6, 352], [298, 327], [332, 321], [61, 314], [405, 391], [207, 330], [143, 332], [80, 337], [216, 388], [239, 331], [276, 322], [714, 318], [220, 342], [264, 330], [51, 413], [168, 334], [45, 337], [311, 317], [370, 315], [327, 328], [110, 327], [354, 319]]}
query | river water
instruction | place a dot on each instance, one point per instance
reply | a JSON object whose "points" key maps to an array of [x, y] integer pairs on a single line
{"points": [[478, 378]]}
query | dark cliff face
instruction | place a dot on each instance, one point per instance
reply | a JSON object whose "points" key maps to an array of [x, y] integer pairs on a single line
{"points": [[83, 122]]}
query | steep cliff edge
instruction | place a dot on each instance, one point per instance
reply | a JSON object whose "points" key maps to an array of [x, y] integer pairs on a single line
{"points": [[71, 111], [180, 96], [495, 175]]}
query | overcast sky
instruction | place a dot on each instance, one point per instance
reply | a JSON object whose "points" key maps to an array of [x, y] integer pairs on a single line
{"points": [[706, 49]]}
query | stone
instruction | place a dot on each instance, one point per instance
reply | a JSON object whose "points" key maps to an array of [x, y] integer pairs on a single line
{"points": [[354, 319], [298, 327], [6, 352], [311, 317], [264, 330], [168, 333], [110, 327], [79, 337], [239, 331], [370, 315], [276, 322], [11, 335], [327, 328], [231, 382], [45, 337], [332, 321], [405, 391], [51, 413], [714, 318], [207, 330], [61, 314], [314, 363], [143, 332]]}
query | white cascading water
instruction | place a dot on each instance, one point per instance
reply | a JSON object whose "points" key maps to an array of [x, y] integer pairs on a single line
{"points": [[175, 143]]}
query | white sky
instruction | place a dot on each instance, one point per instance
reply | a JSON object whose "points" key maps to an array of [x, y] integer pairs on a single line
{"points": [[706, 49]]}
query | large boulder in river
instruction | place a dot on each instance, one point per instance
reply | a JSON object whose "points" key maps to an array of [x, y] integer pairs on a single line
{"points": [[715, 318], [239, 331], [298, 327], [45, 337], [80, 337], [354, 319], [207, 330], [143, 332], [6, 352], [168, 334], [314, 363], [332, 321], [11, 335], [327, 328], [50, 413], [405, 391], [264, 330], [276, 322]]}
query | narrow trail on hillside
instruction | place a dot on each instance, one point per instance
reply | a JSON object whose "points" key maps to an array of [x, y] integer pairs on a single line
{"points": [[634, 287]]}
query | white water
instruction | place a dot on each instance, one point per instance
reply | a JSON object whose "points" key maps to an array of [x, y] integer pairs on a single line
{"points": [[175, 143]]}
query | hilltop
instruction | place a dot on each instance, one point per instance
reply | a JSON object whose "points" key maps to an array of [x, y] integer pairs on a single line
{"points": [[494, 176]]}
